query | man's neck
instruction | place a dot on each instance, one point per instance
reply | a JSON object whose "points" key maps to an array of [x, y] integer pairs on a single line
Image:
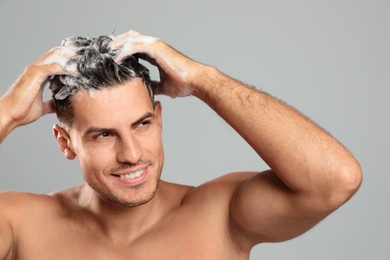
{"points": [[118, 222]]}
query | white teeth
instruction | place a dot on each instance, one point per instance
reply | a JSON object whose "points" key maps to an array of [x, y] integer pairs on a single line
{"points": [[132, 175]]}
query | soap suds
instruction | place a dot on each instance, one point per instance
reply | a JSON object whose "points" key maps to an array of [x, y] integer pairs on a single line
{"points": [[61, 57]]}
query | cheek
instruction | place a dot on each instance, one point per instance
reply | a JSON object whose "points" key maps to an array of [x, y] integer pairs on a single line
{"points": [[153, 143], [95, 160], [158, 150]]}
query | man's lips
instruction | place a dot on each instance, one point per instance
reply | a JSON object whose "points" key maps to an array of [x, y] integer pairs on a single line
{"points": [[132, 175]]}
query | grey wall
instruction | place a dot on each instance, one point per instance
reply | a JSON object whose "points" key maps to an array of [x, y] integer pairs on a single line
{"points": [[330, 59]]}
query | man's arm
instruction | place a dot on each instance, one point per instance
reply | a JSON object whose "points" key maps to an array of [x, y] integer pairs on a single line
{"points": [[21, 105], [7, 214], [6, 239], [311, 173]]}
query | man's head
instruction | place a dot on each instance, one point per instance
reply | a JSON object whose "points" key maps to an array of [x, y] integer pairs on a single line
{"points": [[109, 123], [97, 70]]}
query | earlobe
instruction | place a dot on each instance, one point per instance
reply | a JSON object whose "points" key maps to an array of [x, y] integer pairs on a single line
{"points": [[63, 140], [69, 154]]}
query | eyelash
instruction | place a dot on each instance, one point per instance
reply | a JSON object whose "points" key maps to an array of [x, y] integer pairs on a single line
{"points": [[103, 135]]}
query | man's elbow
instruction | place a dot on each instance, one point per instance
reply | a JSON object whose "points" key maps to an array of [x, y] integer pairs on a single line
{"points": [[349, 179], [352, 176]]}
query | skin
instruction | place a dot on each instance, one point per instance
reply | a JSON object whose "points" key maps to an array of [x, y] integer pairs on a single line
{"points": [[311, 174]]}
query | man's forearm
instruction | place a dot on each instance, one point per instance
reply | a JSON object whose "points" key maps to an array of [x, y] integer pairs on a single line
{"points": [[302, 154], [5, 127]]}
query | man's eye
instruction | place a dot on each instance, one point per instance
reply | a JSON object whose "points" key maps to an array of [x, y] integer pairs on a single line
{"points": [[104, 134], [144, 123]]}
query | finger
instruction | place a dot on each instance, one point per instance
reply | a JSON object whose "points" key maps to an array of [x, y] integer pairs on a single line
{"points": [[61, 55], [119, 40], [137, 45], [48, 107], [157, 87], [147, 58], [129, 48], [42, 87]]}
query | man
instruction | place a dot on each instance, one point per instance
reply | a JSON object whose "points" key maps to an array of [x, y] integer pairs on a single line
{"points": [[124, 211]]}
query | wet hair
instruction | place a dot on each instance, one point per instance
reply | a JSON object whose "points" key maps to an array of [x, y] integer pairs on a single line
{"points": [[97, 70]]}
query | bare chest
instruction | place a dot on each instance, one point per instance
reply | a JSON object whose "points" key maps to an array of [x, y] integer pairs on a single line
{"points": [[181, 240]]}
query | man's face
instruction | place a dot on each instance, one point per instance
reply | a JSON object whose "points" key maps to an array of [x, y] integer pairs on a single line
{"points": [[116, 136]]}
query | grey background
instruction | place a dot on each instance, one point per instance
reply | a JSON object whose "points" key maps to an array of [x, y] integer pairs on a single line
{"points": [[330, 59]]}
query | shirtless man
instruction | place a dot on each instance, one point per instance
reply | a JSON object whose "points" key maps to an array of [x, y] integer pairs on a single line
{"points": [[124, 211]]}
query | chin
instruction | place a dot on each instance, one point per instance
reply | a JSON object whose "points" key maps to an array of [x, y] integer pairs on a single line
{"points": [[137, 196]]}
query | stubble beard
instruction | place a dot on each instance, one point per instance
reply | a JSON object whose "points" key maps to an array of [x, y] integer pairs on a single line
{"points": [[109, 197]]}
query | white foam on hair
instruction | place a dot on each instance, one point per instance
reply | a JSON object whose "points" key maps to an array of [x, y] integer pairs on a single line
{"points": [[61, 57], [56, 59], [71, 67], [68, 44]]}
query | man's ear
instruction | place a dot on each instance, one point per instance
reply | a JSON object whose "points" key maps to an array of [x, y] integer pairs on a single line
{"points": [[63, 140], [158, 112]]}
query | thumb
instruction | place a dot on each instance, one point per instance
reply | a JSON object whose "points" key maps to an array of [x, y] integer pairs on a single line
{"points": [[48, 107], [157, 87]]}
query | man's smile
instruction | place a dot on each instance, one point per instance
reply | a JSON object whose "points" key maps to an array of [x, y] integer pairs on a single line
{"points": [[133, 176]]}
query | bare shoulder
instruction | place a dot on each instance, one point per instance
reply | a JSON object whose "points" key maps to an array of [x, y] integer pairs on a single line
{"points": [[67, 197], [223, 186], [19, 200], [214, 194], [20, 203]]}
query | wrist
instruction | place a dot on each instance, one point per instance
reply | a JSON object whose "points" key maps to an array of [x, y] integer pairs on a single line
{"points": [[6, 122], [205, 80]]}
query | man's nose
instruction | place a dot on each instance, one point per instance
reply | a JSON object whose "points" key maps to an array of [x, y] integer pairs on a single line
{"points": [[129, 149]]}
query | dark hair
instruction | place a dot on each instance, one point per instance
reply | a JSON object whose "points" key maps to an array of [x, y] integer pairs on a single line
{"points": [[97, 69]]}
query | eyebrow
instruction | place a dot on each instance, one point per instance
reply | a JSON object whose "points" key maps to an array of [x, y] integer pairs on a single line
{"points": [[142, 118], [112, 130]]}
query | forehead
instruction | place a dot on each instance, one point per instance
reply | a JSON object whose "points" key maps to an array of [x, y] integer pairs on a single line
{"points": [[106, 106]]}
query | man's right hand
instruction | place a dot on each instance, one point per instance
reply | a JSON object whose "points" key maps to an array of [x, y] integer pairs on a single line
{"points": [[23, 102]]}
